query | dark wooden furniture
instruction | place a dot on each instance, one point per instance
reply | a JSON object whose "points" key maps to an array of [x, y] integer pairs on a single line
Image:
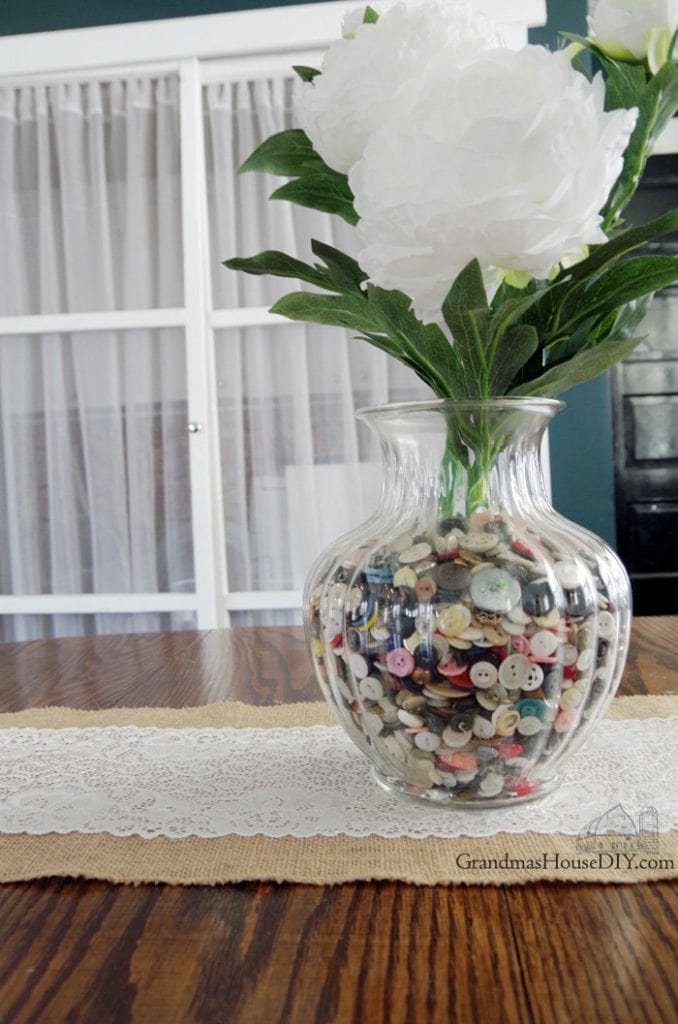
{"points": [[368, 953]]}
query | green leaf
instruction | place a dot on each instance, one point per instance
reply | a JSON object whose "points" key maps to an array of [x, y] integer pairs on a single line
{"points": [[370, 17], [630, 279], [279, 264], [326, 191], [305, 73], [582, 367], [517, 346], [426, 346], [468, 289], [287, 153], [338, 310], [344, 272], [622, 243]]}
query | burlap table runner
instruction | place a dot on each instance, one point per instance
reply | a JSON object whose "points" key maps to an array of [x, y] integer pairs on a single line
{"points": [[499, 859]]}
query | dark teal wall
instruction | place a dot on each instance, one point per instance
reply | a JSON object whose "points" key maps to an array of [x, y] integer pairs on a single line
{"points": [[581, 437], [47, 15], [582, 451]]}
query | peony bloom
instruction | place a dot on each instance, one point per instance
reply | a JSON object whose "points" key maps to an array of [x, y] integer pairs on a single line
{"points": [[362, 72], [509, 160], [625, 28]]}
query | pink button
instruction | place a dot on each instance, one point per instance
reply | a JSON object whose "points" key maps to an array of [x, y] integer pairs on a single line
{"points": [[520, 644], [400, 662], [451, 669]]}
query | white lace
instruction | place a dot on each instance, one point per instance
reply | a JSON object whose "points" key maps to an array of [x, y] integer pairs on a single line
{"points": [[295, 782]]}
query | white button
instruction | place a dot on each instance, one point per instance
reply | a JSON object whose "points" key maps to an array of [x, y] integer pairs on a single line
{"points": [[427, 741], [585, 660], [358, 666], [606, 625], [452, 738], [483, 728], [371, 688], [514, 671], [543, 644], [407, 718], [415, 553], [372, 724], [492, 784], [567, 655], [570, 575], [529, 726], [478, 541], [483, 674], [534, 679]]}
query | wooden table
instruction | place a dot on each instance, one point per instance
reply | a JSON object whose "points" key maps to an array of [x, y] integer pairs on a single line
{"points": [[261, 953]]}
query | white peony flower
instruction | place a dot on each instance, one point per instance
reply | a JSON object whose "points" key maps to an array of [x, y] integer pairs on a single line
{"points": [[508, 160], [624, 29], [362, 72]]}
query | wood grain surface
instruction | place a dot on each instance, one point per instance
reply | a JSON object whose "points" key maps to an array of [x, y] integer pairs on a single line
{"points": [[366, 953]]}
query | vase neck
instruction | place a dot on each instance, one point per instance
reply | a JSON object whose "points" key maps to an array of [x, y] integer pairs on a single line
{"points": [[454, 459]]}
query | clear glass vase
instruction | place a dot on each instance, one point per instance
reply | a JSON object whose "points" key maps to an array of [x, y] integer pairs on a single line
{"points": [[467, 636]]}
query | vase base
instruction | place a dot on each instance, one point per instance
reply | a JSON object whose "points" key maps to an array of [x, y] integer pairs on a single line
{"points": [[444, 799]]}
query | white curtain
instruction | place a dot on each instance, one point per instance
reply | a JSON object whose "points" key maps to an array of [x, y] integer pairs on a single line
{"points": [[93, 448], [94, 477], [297, 468]]}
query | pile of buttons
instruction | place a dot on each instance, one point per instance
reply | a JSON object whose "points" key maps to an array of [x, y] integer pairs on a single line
{"points": [[461, 658]]}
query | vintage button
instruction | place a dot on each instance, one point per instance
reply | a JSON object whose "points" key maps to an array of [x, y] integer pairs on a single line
{"points": [[452, 668], [370, 688], [569, 574], [427, 741], [564, 721], [372, 723], [534, 679], [460, 645], [425, 588], [486, 753], [552, 685], [514, 671], [548, 621], [452, 619], [585, 659], [571, 699], [415, 553], [543, 644], [532, 707], [483, 728], [518, 616], [426, 656], [520, 645], [478, 541], [421, 676], [409, 719], [483, 674], [400, 662], [505, 721], [495, 637], [606, 625], [512, 628], [456, 738], [452, 577], [359, 666], [494, 590], [492, 784], [537, 597], [472, 633], [405, 577], [567, 654], [354, 640], [487, 701], [412, 641]]}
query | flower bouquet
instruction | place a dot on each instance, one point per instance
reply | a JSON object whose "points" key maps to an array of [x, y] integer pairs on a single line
{"points": [[467, 636]]}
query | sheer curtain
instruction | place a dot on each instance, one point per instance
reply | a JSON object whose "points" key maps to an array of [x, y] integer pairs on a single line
{"points": [[93, 455], [94, 458], [297, 468]]}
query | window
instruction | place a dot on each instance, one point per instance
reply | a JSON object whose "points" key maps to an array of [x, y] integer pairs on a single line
{"points": [[170, 454]]}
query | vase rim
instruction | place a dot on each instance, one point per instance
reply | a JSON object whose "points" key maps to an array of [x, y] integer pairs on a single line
{"points": [[528, 403]]}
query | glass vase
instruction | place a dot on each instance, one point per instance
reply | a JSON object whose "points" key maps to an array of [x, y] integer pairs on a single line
{"points": [[467, 636]]}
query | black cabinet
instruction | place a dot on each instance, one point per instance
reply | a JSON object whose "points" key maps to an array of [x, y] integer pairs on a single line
{"points": [[645, 410]]}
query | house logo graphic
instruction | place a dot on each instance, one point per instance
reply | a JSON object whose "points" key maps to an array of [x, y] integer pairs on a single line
{"points": [[615, 831]]}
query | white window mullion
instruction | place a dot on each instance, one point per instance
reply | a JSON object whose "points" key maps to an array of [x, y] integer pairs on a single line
{"points": [[209, 551]]}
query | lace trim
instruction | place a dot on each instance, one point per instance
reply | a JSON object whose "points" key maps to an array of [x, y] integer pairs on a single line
{"points": [[299, 782]]}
